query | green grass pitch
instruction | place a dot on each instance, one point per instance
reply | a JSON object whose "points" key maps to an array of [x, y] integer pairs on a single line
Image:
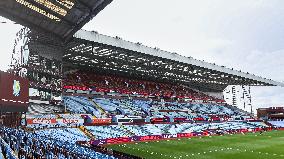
{"points": [[269, 145]]}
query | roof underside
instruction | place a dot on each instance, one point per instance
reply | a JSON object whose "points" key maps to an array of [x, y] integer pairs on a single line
{"points": [[59, 17], [133, 59], [118, 57]]}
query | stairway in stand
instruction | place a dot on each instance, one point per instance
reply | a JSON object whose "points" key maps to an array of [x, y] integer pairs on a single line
{"points": [[87, 133], [97, 106], [128, 131]]}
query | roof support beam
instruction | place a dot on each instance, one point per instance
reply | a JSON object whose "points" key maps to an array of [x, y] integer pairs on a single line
{"points": [[60, 5], [51, 12]]}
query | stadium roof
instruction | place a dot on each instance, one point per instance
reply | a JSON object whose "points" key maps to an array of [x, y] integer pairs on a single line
{"points": [[60, 17], [112, 54]]}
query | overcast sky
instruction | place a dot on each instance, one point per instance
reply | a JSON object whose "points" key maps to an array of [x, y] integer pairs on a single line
{"points": [[246, 35]]}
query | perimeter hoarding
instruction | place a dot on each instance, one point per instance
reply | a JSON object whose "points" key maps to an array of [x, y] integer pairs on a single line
{"points": [[120, 140], [14, 93]]}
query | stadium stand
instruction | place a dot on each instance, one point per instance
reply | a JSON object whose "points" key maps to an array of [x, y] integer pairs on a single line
{"points": [[279, 123], [123, 106], [47, 144], [101, 107], [115, 131], [122, 96], [6, 151], [80, 105], [43, 109], [112, 84], [143, 108]]}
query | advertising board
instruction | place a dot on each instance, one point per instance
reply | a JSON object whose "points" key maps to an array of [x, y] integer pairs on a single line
{"points": [[14, 93]]}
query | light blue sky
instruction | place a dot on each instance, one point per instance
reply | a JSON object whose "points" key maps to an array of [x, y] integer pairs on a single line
{"points": [[247, 35]]}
